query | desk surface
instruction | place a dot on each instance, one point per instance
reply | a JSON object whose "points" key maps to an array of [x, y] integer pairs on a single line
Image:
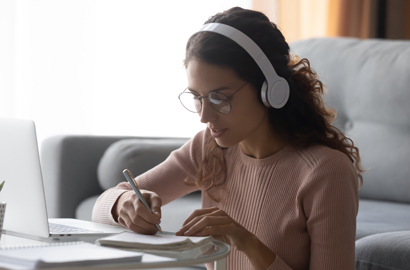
{"points": [[213, 252]]}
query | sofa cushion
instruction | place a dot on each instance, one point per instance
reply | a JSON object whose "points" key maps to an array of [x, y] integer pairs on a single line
{"points": [[85, 208], [368, 85], [385, 251], [385, 153], [380, 217], [137, 155]]}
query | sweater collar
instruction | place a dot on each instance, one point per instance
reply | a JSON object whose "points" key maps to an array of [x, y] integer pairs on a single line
{"points": [[263, 161]]}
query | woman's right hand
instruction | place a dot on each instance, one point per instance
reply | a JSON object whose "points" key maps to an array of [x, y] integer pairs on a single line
{"points": [[131, 212]]}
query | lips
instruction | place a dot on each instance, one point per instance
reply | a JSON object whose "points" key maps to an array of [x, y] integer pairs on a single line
{"points": [[216, 133]]}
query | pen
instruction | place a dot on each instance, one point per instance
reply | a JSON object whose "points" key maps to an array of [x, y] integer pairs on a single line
{"points": [[130, 178]]}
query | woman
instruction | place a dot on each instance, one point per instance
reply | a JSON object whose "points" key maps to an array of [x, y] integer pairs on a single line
{"points": [[280, 185]]}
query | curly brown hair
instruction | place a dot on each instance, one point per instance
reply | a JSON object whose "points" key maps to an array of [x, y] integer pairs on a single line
{"points": [[304, 119]]}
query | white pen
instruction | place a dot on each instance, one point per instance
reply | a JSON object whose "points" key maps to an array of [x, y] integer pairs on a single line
{"points": [[130, 178]]}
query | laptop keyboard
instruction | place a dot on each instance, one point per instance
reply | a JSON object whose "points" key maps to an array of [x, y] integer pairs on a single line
{"points": [[63, 229]]}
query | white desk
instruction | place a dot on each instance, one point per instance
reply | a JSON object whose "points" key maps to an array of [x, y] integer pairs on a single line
{"points": [[217, 253]]}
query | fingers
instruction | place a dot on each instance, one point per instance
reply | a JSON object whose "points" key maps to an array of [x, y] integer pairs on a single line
{"points": [[215, 222], [226, 229], [135, 216], [201, 218], [201, 212], [140, 226], [205, 225], [155, 204]]}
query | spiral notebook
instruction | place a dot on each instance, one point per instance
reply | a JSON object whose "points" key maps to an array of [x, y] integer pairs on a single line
{"points": [[65, 254]]}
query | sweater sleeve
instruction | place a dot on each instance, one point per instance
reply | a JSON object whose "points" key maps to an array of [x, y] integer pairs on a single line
{"points": [[329, 199], [166, 179]]}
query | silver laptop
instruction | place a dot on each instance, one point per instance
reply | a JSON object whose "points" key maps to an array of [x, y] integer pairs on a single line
{"points": [[26, 212]]}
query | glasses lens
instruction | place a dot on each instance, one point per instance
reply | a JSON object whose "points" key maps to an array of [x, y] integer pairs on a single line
{"points": [[220, 102], [191, 102]]}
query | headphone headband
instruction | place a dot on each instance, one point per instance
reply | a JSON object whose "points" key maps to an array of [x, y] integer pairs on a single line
{"points": [[248, 44], [275, 90]]}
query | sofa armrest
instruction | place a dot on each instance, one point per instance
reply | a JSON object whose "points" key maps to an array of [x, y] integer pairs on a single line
{"points": [[69, 168]]}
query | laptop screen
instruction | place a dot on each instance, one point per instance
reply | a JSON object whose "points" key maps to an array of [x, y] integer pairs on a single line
{"points": [[23, 189]]}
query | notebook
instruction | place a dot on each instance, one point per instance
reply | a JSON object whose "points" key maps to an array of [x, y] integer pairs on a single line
{"points": [[26, 212], [64, 255], [157, 242]]}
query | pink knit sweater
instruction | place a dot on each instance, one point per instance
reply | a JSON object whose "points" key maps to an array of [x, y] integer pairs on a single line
{"points": [[302, 204]]}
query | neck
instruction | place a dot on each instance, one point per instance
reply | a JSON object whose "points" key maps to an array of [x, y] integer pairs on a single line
{"points": [[263, 142]]}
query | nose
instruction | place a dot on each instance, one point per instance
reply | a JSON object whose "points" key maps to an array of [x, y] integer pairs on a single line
{"points": [[207, 114]]}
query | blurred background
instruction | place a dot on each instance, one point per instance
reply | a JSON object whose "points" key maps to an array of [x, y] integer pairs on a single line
{"points": [[105, 67]]}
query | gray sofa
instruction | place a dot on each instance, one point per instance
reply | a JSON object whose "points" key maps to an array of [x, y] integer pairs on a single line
{"points": [[76, 169], [368, 84]]}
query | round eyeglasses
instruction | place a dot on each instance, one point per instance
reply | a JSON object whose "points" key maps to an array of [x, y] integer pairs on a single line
{"points": [[218, 101]]}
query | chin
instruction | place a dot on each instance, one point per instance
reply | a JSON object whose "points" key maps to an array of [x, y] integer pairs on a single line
{"points": [[225, 143]]}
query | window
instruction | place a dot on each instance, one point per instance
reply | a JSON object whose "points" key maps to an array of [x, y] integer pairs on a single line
{"points": [[100, 67]]}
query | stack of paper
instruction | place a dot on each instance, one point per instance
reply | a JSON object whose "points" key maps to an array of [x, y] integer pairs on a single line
{"points": [[165, 242], [64, 255]]}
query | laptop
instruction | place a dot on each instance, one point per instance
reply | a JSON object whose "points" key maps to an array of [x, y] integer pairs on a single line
{"points": [[26, 211]]}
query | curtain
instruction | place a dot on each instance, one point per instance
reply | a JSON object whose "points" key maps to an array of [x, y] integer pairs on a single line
{"points": [[297, 19], [388, 19], [355, 18], [397, 19], [301, 19]]}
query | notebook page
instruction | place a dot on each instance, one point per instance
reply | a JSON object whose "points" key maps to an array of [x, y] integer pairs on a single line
{"points": [[66, 254]]}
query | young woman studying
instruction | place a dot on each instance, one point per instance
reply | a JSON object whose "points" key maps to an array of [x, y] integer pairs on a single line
{"points": [[279, 182]]}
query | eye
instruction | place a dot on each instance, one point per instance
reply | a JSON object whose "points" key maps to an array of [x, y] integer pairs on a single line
{"points": [[217, 98]]}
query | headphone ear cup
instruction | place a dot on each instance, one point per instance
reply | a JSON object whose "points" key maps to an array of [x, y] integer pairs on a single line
{"points": [[277, 95], [264, 94]]}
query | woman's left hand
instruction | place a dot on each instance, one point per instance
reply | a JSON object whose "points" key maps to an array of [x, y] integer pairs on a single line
{"points": [[214, 221]]}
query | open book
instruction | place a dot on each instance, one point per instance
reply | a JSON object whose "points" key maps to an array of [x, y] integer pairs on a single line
{"points": [[64, 255], [163, 242]]}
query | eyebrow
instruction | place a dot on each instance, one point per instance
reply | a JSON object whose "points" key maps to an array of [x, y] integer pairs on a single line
{"points": [[215, 90]]}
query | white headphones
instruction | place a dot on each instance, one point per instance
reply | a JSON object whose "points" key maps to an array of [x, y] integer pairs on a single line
{"points": [[275, 90]]}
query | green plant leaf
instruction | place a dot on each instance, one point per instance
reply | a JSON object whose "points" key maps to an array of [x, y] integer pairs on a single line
{"points": [[1, 185]]}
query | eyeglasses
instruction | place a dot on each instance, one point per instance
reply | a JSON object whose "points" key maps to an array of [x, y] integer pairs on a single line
{"points": [[218, 101]]}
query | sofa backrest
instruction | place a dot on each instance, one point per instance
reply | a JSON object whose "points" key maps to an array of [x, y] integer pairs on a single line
{"points": [[137, 155], [368, 83]]}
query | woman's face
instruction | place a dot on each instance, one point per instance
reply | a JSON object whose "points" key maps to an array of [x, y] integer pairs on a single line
{"points": [[247, 116]]}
